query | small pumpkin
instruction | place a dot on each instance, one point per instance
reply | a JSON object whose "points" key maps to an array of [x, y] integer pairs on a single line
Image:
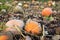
{"points": [[3, 37], [25, 5], [33, 27], [46, 12], [49, 3]]}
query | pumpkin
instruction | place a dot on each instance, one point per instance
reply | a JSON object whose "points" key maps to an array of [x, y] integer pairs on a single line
{"points": [[33, 27], [14, 31], [49, 3], [25, 5], [12, 23], [3, 37], [46, 12]]}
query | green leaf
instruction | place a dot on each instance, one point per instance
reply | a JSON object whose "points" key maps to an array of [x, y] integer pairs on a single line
{"points": [[1, 29], [3, 1], [51, 18]]}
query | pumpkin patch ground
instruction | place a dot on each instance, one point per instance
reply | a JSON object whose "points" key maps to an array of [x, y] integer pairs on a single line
{"points": [[29, 20]]}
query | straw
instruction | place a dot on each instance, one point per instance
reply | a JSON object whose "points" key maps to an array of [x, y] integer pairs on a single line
{"points": [[19, 31], [43, 33]]}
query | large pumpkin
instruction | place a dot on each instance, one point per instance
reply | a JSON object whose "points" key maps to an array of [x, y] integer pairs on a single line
{"points": [[33, 27], [46, 12], [3, 37], [12, 23]]}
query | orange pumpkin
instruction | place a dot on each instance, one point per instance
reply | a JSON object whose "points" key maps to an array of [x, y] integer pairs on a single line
{"points": [[33, 27], [3, 37], [46, 12]]}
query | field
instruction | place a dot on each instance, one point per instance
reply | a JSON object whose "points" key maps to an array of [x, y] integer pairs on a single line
{"points": [[44, 25]]}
